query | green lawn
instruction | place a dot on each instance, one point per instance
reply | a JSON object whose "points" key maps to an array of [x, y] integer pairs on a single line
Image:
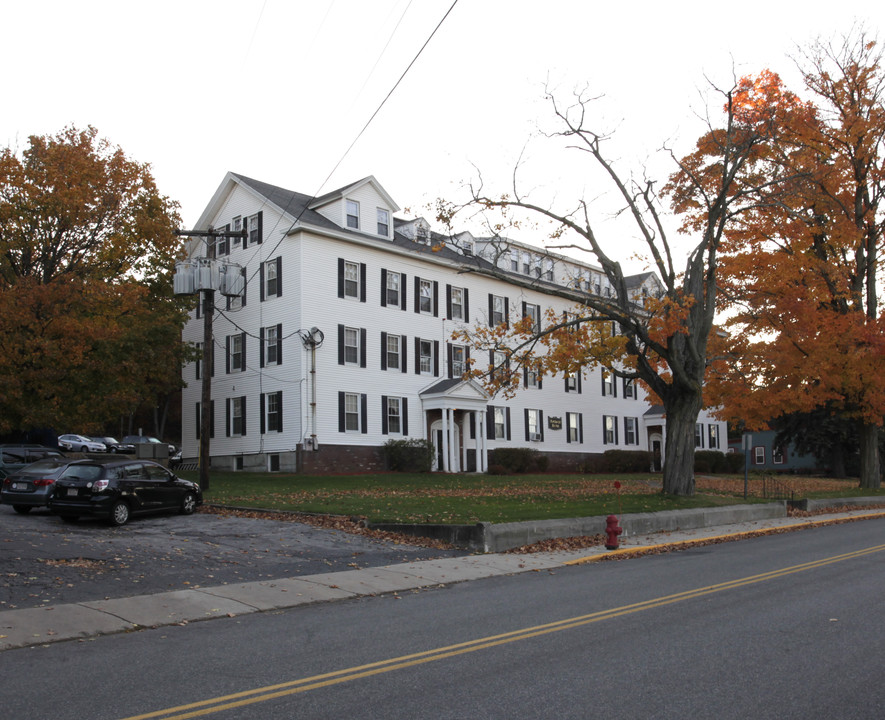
{"points": [[467, 499]]}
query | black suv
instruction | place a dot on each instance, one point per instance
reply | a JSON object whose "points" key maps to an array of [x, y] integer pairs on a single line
{"points": [[115, 489]]}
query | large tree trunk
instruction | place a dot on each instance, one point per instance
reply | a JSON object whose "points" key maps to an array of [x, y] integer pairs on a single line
{"points": [[682, 416], [870, 472]]}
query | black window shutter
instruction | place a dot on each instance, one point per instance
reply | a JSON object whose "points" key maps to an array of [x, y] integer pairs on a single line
{"points": [[384, 351], [243, 273], [581, 428], [402, 291], [448, 302], [568, 427], [261, 347], [490, 423], [280, 344], [526, 411], [341, 344], [261, 281], [435, 298], [260, 229], [341, 277], [491, 310], [362, 282], [507, 311], [507, 415], [417, 294], [280, 410], [436, 358], [243, 355], [244, 414], [364, 413], [449, 357], [403, 347], [227, 416], [261, 413], [341, 426], [466, 306], [472, 426], [384, 414], [383, 287], [279, 262], [227, 354], [404, 410], [417, 355], [362, 347], [541, 423]]}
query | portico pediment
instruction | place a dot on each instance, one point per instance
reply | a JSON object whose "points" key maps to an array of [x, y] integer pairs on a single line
{"points": [[454, 393]]}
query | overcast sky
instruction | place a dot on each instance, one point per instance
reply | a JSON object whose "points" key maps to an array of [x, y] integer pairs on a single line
{"points": [[279, 89]]}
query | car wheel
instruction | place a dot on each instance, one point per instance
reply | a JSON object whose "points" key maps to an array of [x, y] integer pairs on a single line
{"points": [[113, 450], [22, 509], [119, 513], [83, 449], [188, 504]]}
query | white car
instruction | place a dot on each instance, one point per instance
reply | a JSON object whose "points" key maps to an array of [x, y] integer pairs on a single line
{"points": [[79, 443]]}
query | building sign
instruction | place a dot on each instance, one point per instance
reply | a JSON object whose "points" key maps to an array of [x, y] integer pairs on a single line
{"points": [[554, 423]]}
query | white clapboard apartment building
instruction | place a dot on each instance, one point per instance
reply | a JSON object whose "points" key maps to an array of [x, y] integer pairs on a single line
{"points": [[342, 340]]}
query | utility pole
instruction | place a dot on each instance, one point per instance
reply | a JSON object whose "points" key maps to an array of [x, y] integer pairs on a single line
{"points": [[207, 290]]}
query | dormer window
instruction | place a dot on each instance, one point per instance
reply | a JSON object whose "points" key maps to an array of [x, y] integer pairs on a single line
{"points": [[383, 222], [421, 234], [353, 214]]}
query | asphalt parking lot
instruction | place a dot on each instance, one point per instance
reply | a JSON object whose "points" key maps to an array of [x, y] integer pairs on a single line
{"points": [[44, 561]]}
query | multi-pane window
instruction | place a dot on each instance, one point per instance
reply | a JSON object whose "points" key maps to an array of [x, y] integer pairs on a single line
{"points": [[573, 421], [351, 346], [271, 339], [500, 423], [222, 244], [497, 310], [609, 430], [514, 260], [273, 408], [393, 288], [351, 279], [777, 455], [629, 388], [238, 416], [459, 360], [353, 214], [548, 269], [699, 435], [425, 352], [383, 222], [271, 279], [457, 303], [499, 362], [236, 352], [425, 296], [533, 425], [394, 415], [608, 383], [533, 312], [759, 455], [571, 383], [254, 227], [394, 343], [351, 412], [532, 378], [713, 437], [526, 263], [631, 431]]}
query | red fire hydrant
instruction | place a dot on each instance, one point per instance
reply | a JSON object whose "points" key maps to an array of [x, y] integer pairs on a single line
{"points": [[612, 530]]}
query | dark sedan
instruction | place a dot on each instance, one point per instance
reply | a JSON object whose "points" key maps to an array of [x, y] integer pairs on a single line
{"points": [[116, 489], [32, 485]]}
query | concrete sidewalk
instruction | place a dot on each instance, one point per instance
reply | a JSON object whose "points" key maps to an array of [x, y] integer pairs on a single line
{"points": [[38, 626]]}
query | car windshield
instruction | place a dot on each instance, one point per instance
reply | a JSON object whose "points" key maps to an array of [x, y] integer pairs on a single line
{"points": [[82, 472]]}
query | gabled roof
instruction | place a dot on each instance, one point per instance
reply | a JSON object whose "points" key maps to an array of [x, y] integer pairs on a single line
{"points": [[352, 188]]}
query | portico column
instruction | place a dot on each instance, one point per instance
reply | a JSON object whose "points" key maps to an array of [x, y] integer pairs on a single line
{"points": [[453, 450], [445, 440], [480, 441]]}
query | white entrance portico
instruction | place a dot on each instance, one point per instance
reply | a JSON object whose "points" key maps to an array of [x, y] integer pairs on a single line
{"points": [[452, 411]]}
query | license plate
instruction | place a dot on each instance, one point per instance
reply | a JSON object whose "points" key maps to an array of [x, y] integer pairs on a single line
{"points": [[72, 492], [19, 486]]}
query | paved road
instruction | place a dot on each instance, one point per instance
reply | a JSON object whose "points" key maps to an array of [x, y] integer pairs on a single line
{"points": [[782, 627], [45, 561]]}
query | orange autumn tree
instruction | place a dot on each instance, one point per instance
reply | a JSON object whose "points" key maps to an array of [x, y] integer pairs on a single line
{"points": [[89, 324], [799, 273], [660, 341]]}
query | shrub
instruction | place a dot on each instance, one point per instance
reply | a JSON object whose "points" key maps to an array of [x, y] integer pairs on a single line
{"points": [[518, 460], [713, 461], [627, 461], [413, 455]]}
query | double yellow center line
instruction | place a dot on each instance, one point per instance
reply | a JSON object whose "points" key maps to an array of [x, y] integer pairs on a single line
{"points": [[314, 682]]}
